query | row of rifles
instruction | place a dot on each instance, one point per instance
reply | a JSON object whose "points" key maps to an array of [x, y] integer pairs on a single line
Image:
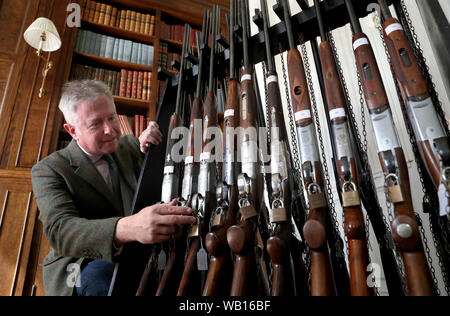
{"points": [[242, 246]]}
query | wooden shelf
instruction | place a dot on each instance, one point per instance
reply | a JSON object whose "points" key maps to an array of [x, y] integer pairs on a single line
{"points": [[176, 44], [113, 62], [135, 103], [118, 32]]}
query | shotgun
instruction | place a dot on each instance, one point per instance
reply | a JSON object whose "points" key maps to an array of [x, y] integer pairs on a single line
{"points": [[392, 159], [242, 238], [354, 226], [313, 178], [283, 274], [431, 136], [194, 274], [171, 275], [218, 281]]}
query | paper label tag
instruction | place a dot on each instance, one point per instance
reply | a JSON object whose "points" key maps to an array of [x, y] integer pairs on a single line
{"points": [[393, 27], [169, 169], [360, 42], [229, 113], [205, 156], [272, 79], [246, 78], [162, 260], [202, 260], [443, 200], [302, 115], [340, 112]]}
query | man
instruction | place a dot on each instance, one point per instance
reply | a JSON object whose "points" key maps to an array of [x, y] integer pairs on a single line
{"points": [[84, 194]]}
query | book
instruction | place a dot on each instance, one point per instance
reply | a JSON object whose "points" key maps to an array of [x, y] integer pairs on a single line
{"points": [[101, 18], [109, 47], [134, 52], [116, 49], [134, 85], [103, 46], [108, 13], [123, 83], [127, 51], [121, 48]]}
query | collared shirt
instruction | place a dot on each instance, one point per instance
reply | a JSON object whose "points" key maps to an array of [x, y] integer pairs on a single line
{"points": [[101, 165]]}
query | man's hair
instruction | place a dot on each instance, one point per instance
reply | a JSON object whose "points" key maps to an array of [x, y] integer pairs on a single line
{"points": [[77, 91]]}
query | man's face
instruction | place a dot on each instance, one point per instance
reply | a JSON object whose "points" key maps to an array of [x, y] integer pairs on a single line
{"points": [[97, 129]]}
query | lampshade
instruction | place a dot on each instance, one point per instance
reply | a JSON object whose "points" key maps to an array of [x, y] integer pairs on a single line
{"points": [[33, 35]]}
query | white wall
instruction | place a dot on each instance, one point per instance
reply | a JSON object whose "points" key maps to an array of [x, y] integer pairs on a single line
{"points": [[343, 38]]}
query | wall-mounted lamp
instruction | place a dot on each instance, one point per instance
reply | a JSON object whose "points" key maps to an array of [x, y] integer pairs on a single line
{"points": [[43, 36]]}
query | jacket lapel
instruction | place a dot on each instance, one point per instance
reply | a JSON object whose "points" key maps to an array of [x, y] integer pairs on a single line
{"points": [[89, 173]]}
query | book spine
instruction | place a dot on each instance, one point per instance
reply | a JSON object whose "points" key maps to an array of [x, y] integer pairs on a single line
{"points": [[108, 13], [140, 85], [123, 83], [98, 7], [101, 19], [133, 21], [129, 83]]}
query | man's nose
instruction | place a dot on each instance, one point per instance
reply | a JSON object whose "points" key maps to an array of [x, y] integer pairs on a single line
{"points": [[107, 128]]}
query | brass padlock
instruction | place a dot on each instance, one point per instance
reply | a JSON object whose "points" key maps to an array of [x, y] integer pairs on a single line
{"points": [[317, 201], [195, 231], [395, 194], [278, 215], [248, 212], [218, 220], [351, 198]]}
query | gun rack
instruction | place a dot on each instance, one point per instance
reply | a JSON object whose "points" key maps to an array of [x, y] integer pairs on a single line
{"points": [[304, 23]]}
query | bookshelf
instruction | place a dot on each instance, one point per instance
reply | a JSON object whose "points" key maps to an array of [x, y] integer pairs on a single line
{"points": [[154, 31]]}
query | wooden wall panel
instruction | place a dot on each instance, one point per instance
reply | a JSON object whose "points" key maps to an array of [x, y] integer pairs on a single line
{"points": [[17, 214]]}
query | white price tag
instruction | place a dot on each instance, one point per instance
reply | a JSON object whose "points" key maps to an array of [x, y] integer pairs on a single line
{"points": [[246, 78], [229, 113], [443, 200], [272, 79], [360, 42], [301, 115], [394, 27], [340, 112], [202, 260]]}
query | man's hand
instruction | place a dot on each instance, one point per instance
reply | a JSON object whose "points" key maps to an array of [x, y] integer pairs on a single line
{"points": [[153, 224], [151, 135]]}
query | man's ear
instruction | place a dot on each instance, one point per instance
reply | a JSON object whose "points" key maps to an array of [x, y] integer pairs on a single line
{"points": [[71, 130]]}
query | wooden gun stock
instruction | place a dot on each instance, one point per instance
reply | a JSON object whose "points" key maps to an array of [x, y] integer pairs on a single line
{"points": [[170, 280], [418, 275], [358, 252], [322, 279], [219, 276], [297, 81], [242, 241], [189, 279]]}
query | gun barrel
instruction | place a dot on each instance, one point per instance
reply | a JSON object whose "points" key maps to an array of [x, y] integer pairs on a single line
{"points": [[385, 9], [353, 18], [323, 34], [288, 22], [269, 55], [187, 32]]}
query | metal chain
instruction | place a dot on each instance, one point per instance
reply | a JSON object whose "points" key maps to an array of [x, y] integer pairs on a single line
{"points": [[295, 150], [267, 103], [329, 190], [428, 252]]}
